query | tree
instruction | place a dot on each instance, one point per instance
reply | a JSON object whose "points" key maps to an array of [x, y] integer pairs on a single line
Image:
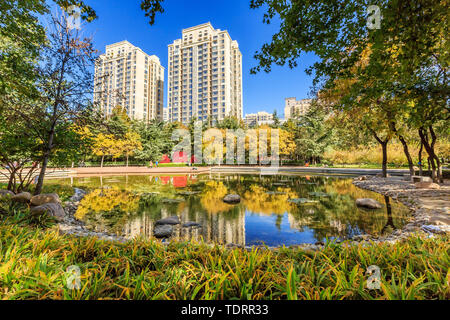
{"points": [[408, 59], [276, 119], [18, 154], [156, 140], [104, 145], [287, 144], [230, 123], [130, 144], [21, 38], [312, 136]]}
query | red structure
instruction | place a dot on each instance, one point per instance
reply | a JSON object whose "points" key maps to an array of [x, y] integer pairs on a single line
{"points": [[180, 182], [180, 157], [165, 159]]}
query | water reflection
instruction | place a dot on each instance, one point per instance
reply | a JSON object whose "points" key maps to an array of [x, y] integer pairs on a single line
{"points": [[275, 210]]}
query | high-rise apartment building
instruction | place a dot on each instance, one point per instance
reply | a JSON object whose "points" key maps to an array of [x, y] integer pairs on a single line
{"points": [[205, 76], [126, 76], [294, 107]]}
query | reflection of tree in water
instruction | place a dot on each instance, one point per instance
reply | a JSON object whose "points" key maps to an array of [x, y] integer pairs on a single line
{"points": [[333, 216], [390, 222], [107, 209]]}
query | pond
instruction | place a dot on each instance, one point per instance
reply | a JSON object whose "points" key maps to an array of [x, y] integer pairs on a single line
{"points": [[274, 210]]}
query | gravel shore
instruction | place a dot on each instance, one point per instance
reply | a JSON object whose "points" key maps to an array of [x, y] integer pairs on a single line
{"points": [[430, 209]]}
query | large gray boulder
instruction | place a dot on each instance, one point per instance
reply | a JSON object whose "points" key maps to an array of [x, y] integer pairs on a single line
{"points": [[169, 221], [232, 199], [368, 203], [52, 209], [45, 198], [23, 197], [163, 231]]}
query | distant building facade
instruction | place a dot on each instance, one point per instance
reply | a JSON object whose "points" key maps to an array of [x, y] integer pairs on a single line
{"points": [[257, 119], [204, 76], [295, 107], [128, 77]]}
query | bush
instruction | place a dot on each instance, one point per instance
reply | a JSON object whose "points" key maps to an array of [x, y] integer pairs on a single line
{"points": [[373, 155]]}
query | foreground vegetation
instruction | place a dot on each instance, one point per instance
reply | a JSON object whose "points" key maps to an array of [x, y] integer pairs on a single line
{"points": [[33, 263]]}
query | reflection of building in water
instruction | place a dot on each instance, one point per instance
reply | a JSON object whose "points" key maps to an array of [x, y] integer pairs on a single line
{"points": [[220, 228], [336, 227], [299, 223]]}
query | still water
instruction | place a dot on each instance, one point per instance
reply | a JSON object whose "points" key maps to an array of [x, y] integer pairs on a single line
{"points": [[275, 210]]}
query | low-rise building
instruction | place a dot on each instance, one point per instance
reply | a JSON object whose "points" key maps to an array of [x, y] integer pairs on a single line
{"points": [[257, 119], [294, 107]]}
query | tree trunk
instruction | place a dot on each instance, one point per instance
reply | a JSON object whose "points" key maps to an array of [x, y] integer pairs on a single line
{"points": [[101, 164], [384, 144], [40, 182], [405, 148], [47, 152], [438, 161], [385, 158], [127, 160], [420, 160], [11, 183], [408, 155], [429, 147]]}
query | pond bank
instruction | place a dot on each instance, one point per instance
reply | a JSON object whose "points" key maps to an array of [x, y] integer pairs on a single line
{"points": [[392, 187], [430, 208]]}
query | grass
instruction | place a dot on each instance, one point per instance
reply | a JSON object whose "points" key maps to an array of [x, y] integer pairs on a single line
{"points": [[34, 259], [33, 264]]}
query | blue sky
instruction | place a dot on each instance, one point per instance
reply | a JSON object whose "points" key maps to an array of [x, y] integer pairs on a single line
{"points": [[124, 20]]}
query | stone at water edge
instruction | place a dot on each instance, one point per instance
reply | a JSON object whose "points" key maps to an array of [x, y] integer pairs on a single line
{"points": [[163, 231], [45, 198], [433, 229], [368, 203], [421, 179], [302, 201], [191, 224], [169, 221], [79, 195], [23, 197], [232, 199], [172, 201], [6, 193], [427, 185], [52, 209]]}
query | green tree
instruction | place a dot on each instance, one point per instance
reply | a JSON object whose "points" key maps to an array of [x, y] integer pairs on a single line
{"points": [[276, 119], [156, 140], [408, 57], [64, 87], [312, 136]]}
